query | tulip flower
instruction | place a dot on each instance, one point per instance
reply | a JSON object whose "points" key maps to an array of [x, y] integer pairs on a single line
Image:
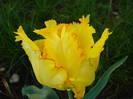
{"points": [[67, 57]]}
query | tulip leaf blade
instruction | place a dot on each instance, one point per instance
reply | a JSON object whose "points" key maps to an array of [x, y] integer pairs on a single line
{"points": [[34, 92], [95, 91]]}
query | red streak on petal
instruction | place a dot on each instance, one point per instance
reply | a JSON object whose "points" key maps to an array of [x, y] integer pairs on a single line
{"points": [[45, 57]]}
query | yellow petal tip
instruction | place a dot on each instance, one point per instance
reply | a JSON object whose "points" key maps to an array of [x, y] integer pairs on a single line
{"points": [[85, 19]]}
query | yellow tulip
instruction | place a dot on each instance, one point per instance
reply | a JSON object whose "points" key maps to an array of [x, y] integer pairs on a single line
{"points": [[68, 57]]}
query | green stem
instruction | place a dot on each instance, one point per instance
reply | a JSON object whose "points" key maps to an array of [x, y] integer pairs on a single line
{"points": [[70, 94]]}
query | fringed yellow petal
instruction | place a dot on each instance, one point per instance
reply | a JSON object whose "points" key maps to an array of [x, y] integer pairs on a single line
{"points": [[83, 33], [53, 50], [85, 19], [91, 30], [55, 76], [42, 32], [85, 77], [50, 23], [22, 36], [86, 38], [71, 53], [45, 70], [52, 28], [98, 46], [30, 48], [49, 31]]}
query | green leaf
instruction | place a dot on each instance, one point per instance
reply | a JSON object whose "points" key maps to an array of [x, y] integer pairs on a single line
{"points": [[34, 92], [95, 91]]}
